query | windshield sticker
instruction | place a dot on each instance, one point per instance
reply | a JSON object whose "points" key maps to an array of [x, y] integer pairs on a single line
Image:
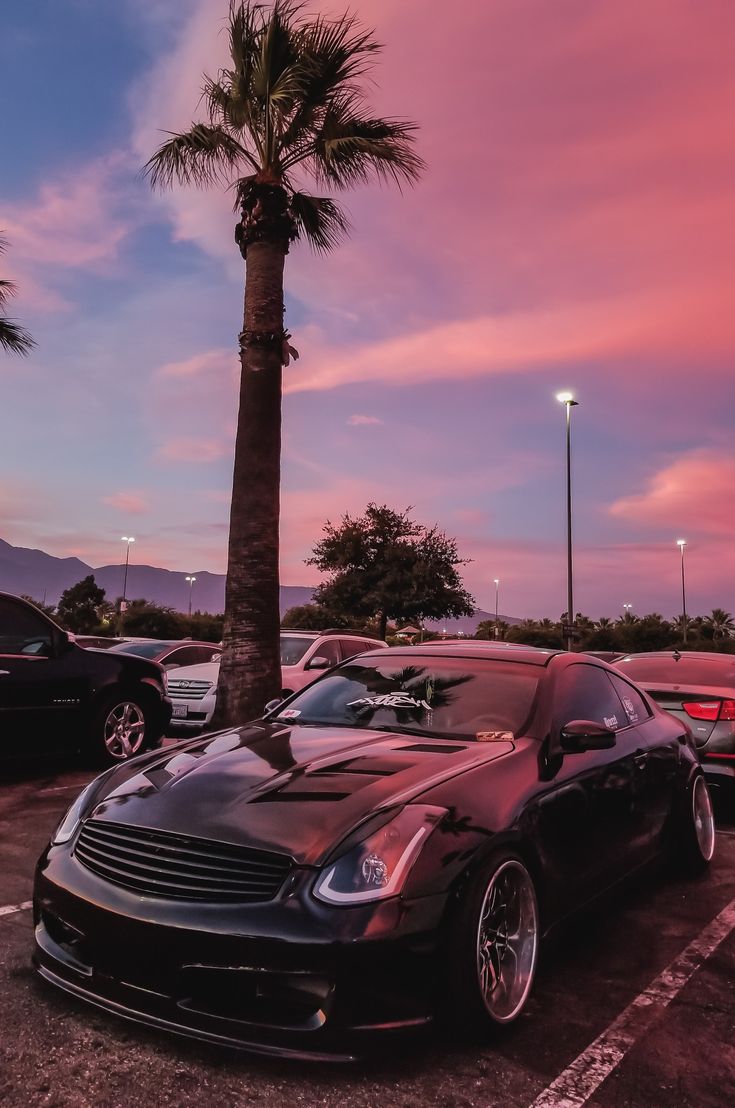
{"points": [[630, 709], [495, 736], [289, 713], [611, 722], [390, 700]]}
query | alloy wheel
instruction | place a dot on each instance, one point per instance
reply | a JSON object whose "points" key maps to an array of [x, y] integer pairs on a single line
{"points": [[704, 820], [124, 730], [507, 941]]}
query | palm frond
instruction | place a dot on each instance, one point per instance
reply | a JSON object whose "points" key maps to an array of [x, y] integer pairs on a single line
{"points": [[319, 220], [205, 155], [351, 150], [7, 289], [14, 338]]}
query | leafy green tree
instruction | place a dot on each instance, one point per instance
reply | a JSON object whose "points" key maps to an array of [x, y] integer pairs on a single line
{"points": [[47, 609], [385, 565], [153, 621], [204, 626], [79, 606], [290, 106], [13, 338], [312, 617]]}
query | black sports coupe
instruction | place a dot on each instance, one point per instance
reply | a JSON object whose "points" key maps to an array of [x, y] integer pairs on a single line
{"points": [[388, 844]]}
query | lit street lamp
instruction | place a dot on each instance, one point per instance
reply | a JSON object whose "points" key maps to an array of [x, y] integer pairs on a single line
{"points": [[127, 539], [497, 586], [627, 609], [681, 543], [191, 581], [567, 399]]}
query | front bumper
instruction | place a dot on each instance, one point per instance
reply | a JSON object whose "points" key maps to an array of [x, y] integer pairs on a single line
{"points": [[289, 977]]}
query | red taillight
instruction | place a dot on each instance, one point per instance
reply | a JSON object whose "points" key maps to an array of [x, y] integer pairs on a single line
{"points": [[710, 709]]}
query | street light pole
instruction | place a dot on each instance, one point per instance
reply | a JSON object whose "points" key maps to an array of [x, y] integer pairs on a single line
{"points": [[681, 543], [567, 399], [497, 586], [191, 581], [127, 539]]}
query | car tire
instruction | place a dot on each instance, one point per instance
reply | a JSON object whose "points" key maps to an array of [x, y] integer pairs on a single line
{"points": [[493, 945], [121, 728], [694, 840]]}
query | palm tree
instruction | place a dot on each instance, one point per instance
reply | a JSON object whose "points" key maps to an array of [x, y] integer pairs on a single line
{"points": [[13, 338], [290, 106], [720, 624]]}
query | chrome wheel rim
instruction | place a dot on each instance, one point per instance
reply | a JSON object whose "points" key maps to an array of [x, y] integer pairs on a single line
{"points": [[124, 730], [507, 941], [704, 820]]}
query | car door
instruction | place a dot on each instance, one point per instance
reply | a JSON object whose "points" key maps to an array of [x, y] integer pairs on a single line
{"points": [[42, 691], [656, 760], [587, 815]]}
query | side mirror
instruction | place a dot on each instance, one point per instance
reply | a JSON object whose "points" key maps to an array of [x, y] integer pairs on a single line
{"points": [[64, 641], [272, 705], [318, 663], [585, 734]]}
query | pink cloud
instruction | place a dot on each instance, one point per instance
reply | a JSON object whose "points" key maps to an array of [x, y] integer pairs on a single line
{"points": [[129, 503], [217, 361], [695, 491], [363, 420], [195, 451]]}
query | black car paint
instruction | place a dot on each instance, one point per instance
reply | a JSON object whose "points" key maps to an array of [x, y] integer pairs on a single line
{"points": [[50, 700], [582, 822]]}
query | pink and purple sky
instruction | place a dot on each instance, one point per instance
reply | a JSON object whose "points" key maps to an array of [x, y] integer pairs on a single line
{"points": [[574, 230]]}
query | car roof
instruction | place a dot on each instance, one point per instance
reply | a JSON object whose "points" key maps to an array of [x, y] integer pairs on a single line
{"points": [[707, 655]]}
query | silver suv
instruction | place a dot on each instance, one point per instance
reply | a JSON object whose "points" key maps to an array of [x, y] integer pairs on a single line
{"points": [[304, 656]]}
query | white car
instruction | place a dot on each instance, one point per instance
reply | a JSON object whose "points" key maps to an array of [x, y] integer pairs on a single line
{"points": [[304, 655]]}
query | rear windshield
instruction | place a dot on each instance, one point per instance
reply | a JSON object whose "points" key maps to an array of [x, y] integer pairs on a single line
{"points": [[143, 649], [687, 671], [293, 648], [467, 698]]}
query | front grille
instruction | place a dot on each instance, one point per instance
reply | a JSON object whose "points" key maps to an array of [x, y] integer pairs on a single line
{"points": [[188, 690], [160, 864]]}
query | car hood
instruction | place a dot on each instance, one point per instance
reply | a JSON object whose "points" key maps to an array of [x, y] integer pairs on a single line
{"points": [[205, 671], [296, 790]]}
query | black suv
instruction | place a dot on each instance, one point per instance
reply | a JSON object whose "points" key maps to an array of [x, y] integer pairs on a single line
{"points": [[54, 691]]}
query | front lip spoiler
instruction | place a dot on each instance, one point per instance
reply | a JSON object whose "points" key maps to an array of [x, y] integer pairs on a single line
{"points": [[181, 1029]]}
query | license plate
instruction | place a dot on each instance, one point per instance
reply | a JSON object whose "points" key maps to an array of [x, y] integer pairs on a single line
{"points": [[180, 711]]}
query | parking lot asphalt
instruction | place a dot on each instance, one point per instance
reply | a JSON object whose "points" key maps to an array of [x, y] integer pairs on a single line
{"points": [[634, 1005]]}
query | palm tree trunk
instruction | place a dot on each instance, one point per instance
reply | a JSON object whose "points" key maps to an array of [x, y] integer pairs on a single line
{"points": [[250, 672]]}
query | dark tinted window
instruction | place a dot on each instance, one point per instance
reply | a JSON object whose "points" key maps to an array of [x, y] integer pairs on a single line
{"points": [[350, 647], [22, 631], [328, 649], [587, 693], [190, 655], [293, 648], [467, 698], [633, 703], [687, 671]]}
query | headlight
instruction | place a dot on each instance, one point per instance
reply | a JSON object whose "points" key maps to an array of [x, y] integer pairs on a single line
{"points": [[377, 866], [72, 819]]}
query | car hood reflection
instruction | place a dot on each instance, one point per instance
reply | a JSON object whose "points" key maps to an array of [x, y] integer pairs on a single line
{"points": [[296, 790]]}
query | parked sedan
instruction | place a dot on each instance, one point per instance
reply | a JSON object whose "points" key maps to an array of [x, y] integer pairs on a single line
{"points": [[171, 653], [389, 843], [698, 688]]}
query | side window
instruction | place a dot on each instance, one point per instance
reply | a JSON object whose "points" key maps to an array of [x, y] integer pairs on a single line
{"points": [[328, 649], [350, 647], [586, 693], [634, 705], [22, 631]]}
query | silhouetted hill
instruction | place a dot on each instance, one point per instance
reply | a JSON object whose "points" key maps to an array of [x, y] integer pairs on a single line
{"points": [[44, 577]]}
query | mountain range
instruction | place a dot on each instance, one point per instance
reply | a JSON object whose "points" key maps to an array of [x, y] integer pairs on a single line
{"points": [[34, 573]]}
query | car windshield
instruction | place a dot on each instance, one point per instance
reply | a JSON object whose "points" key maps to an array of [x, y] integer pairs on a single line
{"points": [[468, 698], [687, 671], [293, 648], [142, 649]]}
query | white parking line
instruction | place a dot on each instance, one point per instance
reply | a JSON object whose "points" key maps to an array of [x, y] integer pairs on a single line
{"points": [[584, 1076], [60, 789], [10, 908]]}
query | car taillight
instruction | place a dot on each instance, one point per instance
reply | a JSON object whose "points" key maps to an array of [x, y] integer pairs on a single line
{"points": [[710, 709]]}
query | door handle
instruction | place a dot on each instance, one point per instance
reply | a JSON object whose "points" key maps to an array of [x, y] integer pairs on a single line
{"points": [[641, 759], [4, 673]]}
